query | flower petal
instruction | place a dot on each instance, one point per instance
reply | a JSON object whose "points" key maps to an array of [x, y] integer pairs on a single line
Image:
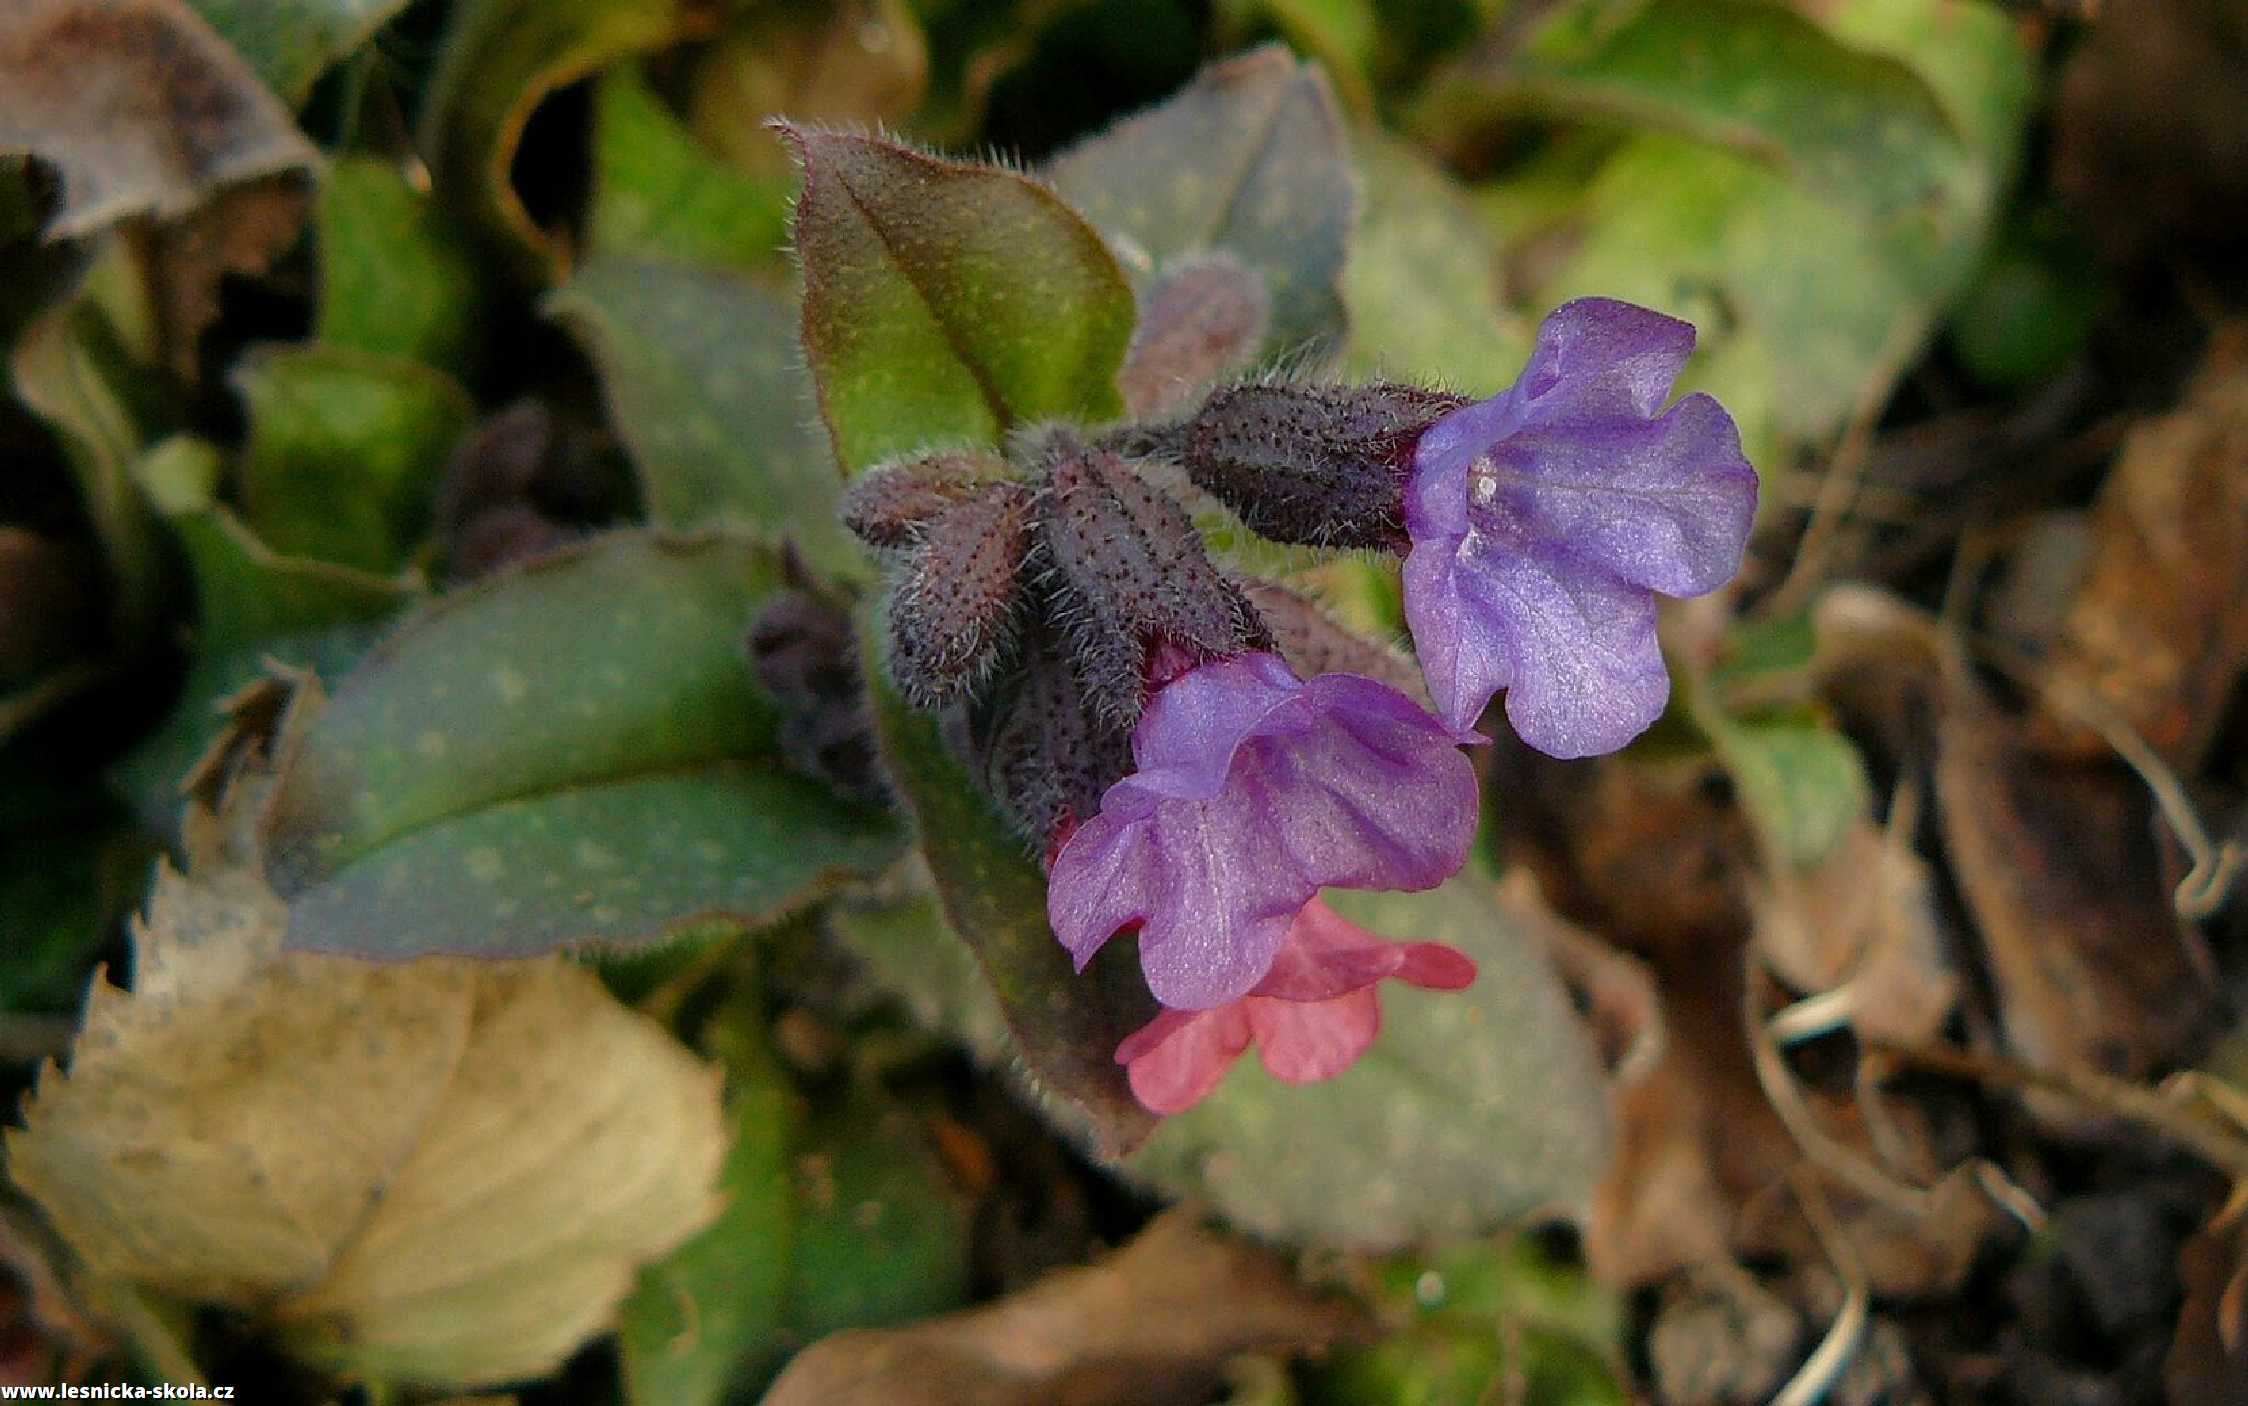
{"points": [[1211, 906], [1343, 781], [1663, 503], [1186, 1060], [1303, 1042], [1598, 358], [1184, 743], [1434, 967], [1573, 646], [1326, 955]]}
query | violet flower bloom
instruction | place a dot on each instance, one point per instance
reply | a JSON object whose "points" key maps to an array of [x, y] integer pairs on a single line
{"points": [[1252, 791], [1310, 1018], [1544, 519]]}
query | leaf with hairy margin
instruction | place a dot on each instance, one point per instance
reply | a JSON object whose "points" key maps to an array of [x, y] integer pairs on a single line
{"points": [[945, 304], [706, 388], [569, 752], [1247, 159]]}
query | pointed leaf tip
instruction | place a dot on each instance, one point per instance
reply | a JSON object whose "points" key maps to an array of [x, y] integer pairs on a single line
{"points": [[946, 303]]}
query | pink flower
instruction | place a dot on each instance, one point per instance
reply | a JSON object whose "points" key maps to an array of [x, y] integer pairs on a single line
{"points": [[1311, 1017]]}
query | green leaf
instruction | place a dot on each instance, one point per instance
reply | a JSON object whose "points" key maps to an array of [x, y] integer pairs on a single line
{"points": [[501, 58], [1812, 203], [882, 1236], [1248, 158], [705, 388], [1066, 1026], [1751, 77], [612, 862], [1765, 652], [345, 451], [251, 604], [292, 42], [1800, 781], [396, 278], [951, 996], [946, 303], [245, 591], [718, 1302], [1423, 281], [570, 752], [845, 1220], [657, 192], [1473, 1109]]}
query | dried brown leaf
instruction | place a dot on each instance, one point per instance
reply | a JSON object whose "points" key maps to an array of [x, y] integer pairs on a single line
{"points": [[1866, 917], [1153, 1323], [433, 1171], [2208, 1361], [2061, 869], [2156, 634], [239, 233], [142, 108]]}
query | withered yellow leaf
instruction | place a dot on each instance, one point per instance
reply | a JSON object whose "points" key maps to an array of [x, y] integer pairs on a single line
{"points": [[438, 1171]]}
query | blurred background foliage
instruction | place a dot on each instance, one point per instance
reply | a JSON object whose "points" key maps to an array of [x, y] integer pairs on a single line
{"points": [[431, 285]]}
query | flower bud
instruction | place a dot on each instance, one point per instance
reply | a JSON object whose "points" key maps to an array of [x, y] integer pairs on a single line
{"points": [[802, 650], [952, 614], [1129, 575], [890, 507], [1318, 465], [1040, 749], [1202, 320]]}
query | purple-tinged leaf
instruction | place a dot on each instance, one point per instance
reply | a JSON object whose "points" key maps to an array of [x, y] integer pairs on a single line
{"points": [[1248, 159], [944, 303]]}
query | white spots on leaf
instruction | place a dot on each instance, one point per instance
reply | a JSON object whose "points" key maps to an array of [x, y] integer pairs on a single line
{"points": [[593, 855]]}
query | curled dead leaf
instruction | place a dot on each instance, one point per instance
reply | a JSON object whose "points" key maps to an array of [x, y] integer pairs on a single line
{"points": [[1154, 1322], [2061, 869], [142, 108], [2156, 635], [2208, 1361], [435, 1171], [1864, 920]]}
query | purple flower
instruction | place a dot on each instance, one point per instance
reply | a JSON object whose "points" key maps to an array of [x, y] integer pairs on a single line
{"points": [[1310, 1018], [1252, 791], [1544, 519]]}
